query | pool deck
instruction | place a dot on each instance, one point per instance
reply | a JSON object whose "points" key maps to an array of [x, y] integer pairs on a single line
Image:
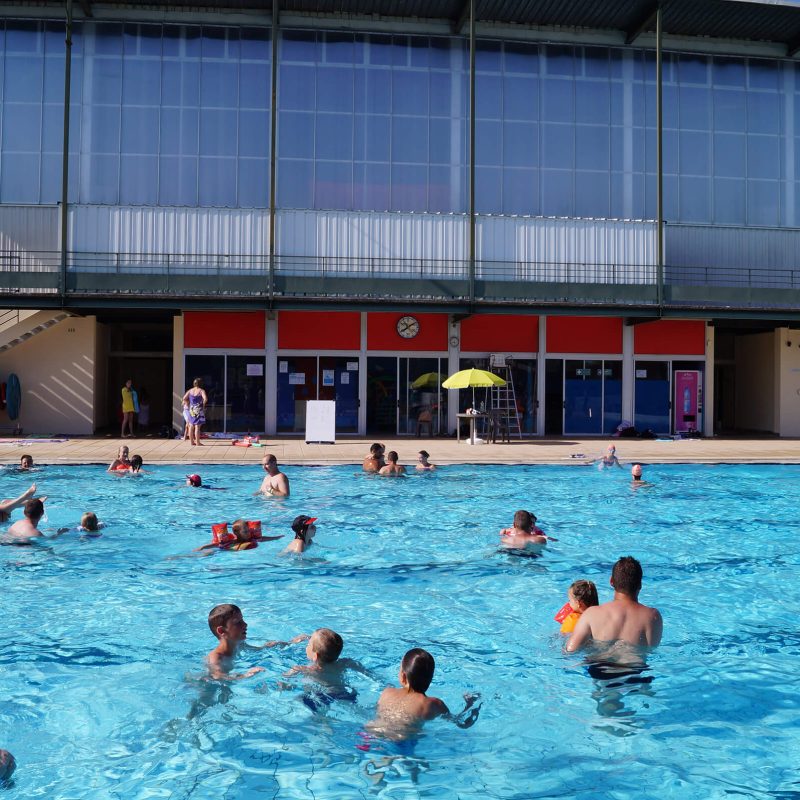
{"points": [[443, 451]]}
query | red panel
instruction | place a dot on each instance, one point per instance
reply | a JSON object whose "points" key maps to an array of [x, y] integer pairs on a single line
{"points": [[493, 333], [319, 330], [224, 329], [382, 332], [670, 337], [584, 335]]}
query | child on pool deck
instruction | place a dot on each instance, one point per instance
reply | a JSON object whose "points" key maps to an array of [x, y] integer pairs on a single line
{"points": [[403, 711], [580, 596]]}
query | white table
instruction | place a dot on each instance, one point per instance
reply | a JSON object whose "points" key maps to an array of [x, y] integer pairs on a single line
{"points": [[471, 418]]}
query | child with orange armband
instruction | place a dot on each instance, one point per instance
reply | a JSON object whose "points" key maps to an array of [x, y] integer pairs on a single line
{"points": [[582, 594], [244, 535]]}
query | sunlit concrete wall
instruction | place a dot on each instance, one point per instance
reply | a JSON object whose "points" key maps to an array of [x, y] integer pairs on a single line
{"points": [[787, 375], [59, 376]]}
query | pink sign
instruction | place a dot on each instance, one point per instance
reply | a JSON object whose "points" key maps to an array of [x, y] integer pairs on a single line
{"points": [[687, 400]]}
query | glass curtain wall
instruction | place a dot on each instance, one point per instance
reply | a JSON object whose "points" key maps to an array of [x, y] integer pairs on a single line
{"points": [[179, 115]]}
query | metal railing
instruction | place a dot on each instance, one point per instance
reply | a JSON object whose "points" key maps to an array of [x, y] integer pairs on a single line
{"points": [[171, 275]]}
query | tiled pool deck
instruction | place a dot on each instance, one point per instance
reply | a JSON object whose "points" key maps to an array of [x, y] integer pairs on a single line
{"points": [[443, 451]]}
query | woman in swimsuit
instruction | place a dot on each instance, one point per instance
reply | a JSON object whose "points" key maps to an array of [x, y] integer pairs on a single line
{"points": [[197, 399]]}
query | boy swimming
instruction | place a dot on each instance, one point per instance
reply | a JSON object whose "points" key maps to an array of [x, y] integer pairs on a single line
{"points": [[304, 532], [228, 625]]}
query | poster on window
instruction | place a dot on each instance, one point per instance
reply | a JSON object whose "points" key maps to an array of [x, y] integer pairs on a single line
{"points": [[255, 370], [328, 377], [297, 378], [344, 378]]}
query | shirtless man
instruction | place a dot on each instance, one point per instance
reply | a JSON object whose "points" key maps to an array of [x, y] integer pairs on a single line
{"points": [[624, 619], [27, 527], [374, 461], [523, 533], [392, 468], [275, 482]]}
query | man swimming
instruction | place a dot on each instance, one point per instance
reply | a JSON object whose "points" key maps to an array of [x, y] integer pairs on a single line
{"points": [[622, 620]]}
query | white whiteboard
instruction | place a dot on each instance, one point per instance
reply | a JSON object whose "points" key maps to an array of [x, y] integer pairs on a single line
{"points": [[321, 421]]}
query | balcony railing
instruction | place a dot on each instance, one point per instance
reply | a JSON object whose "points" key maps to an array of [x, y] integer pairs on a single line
{"points": [[119, 276]]}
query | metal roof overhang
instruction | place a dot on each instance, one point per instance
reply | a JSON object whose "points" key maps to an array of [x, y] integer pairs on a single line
{"points": [[775, 22]]}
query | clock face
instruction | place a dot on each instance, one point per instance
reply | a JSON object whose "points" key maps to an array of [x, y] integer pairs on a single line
{"points": [[408, 327]]}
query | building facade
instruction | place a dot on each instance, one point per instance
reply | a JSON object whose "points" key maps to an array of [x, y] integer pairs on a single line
{"points": [[293, 204]]}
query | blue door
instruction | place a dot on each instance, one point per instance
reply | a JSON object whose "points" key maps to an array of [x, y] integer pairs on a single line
{"points": [[651, 407], [583, 397]]}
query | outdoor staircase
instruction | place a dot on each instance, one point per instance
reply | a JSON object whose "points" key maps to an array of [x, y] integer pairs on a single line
{"points": [[504, 399], [17, 326]]}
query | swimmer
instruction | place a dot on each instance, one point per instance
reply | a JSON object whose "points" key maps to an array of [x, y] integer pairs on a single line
{"points": [[423, 464], [327, 669], [244, 539], [392, 468], [7, 506], [27, 528], [580, 596], [636, 477], [89, 524], [624, 619], [26, 462], [524, 533], [304, 532], [136, 464], [404, 710], [609, 459], [275, 483], [227, 624], [122, 462], [7, 766], [197, 482], [374, 462]]}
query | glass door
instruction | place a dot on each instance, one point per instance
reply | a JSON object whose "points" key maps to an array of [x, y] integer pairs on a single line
{"points": [[382, 395], [583, 397], [244, 394], [651, 405], [422, 408], [338, 380], [211, 370], [297, 383]]}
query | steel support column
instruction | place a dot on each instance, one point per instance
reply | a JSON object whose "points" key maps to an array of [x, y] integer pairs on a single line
{"points": [[471, 153], [273, 126], [659, 162], [65, 153]]}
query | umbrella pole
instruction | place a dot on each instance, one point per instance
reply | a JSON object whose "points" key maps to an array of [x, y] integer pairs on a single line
{"points": [[472, 421]]}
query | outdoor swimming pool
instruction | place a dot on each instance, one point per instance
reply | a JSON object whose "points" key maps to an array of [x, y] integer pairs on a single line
{"points": [[104, 638]]}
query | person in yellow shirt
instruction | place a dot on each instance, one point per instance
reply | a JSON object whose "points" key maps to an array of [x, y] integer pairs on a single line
{"points": [[128, 408]]}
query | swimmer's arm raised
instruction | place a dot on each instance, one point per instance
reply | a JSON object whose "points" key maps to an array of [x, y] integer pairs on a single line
{"points": [[7, 506], [301, 637]]}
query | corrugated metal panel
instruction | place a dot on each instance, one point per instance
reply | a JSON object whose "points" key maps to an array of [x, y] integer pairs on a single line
{"points": [[569, 250], [170, 230], [730, 256], [356, 242], [29, 237]]}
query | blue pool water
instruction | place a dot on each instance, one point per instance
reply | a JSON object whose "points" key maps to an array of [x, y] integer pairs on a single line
{"points": [[103, 639]]}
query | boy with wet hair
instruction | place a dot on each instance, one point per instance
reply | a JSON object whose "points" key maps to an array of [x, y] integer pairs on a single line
{"points": [[524, 532], [408, 707], [327, 670], [392, 468], [26, 462], [304, 532], [374, 461], [228, 625]]}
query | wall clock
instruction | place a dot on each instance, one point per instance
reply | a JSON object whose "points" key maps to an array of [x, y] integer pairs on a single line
{"points": [[408, 327]]}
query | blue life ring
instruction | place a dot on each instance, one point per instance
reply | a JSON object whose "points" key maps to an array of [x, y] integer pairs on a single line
{"points": [[13, 396]]}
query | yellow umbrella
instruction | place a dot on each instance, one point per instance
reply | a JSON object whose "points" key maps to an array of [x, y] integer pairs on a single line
{"points": [[467, 378], [470, 378], [427, 380]]}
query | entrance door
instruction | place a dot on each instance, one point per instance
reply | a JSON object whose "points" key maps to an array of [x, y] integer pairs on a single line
{"points": [[651, 402], [583, 397], [382, 395], [421, 399]]}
